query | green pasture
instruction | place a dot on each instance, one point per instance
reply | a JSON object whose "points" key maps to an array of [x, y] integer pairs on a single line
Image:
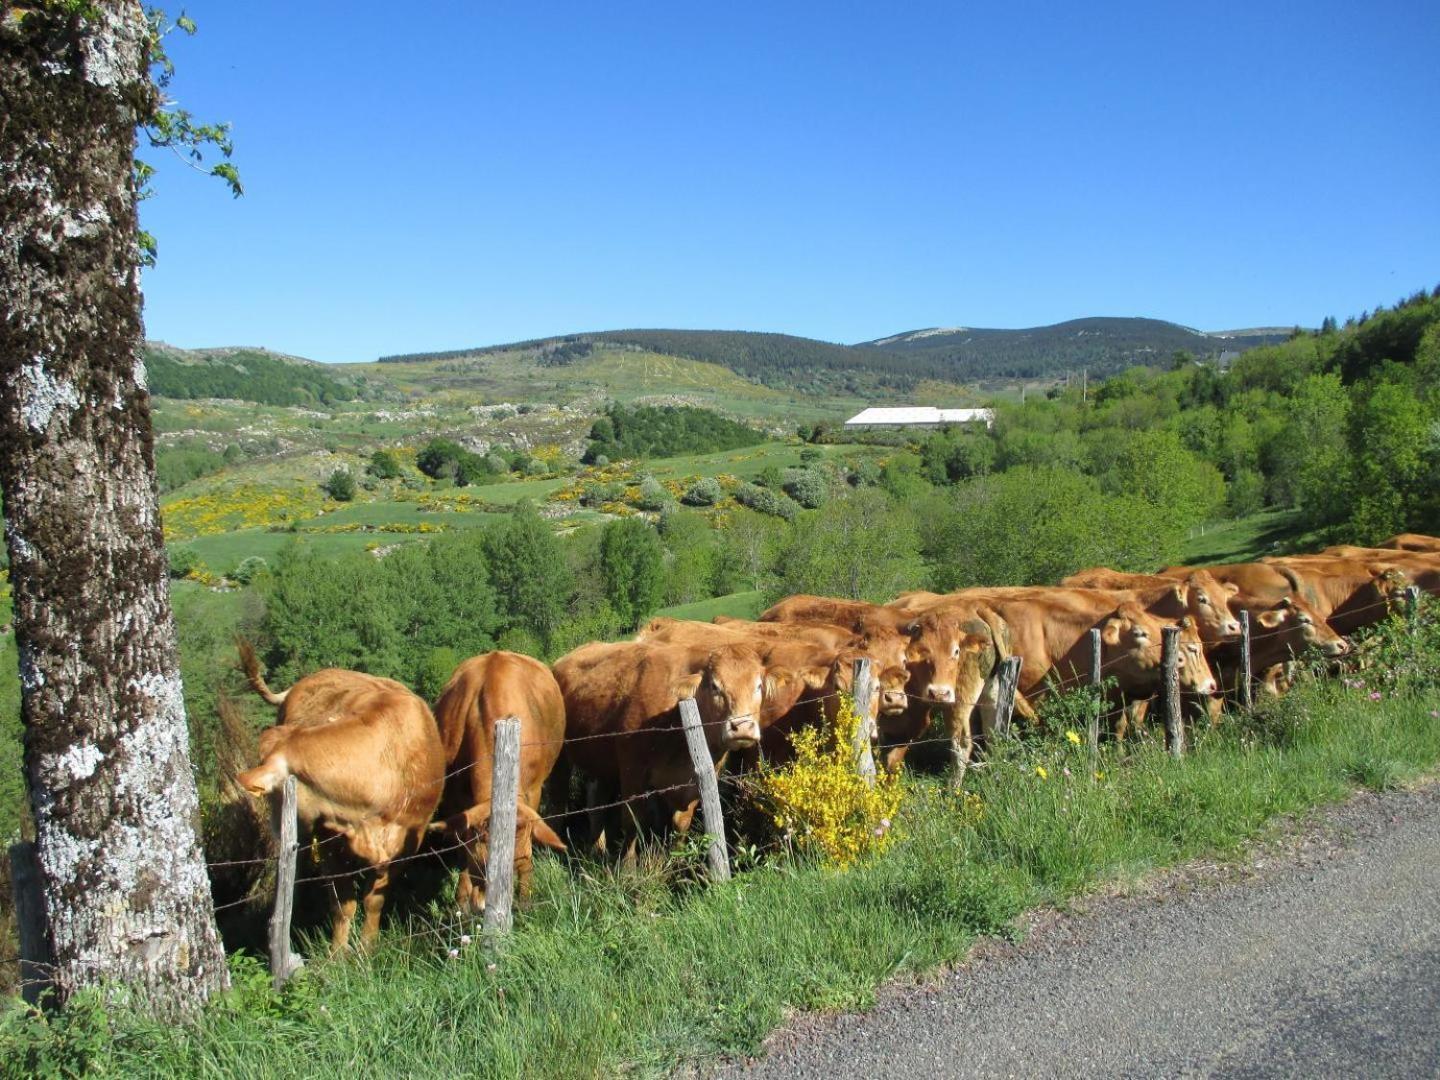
{"points": [[740, 605], [1272, 532]]}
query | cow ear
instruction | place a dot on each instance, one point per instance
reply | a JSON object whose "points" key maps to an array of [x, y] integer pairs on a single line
{"points": [[1230, 587], [689, 685], [1187, 623], [1274, 617], [1110, 632], [913, 655], [539, 829], [815, 677], [1182, 593]]}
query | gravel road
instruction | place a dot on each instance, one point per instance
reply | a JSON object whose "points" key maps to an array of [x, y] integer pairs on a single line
{"points": [[1317, 955]]}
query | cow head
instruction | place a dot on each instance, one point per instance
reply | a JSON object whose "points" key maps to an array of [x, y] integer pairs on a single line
{"points": [[1389, 585], [1131, 641], [1293, 626], [1208, 603], [944, 657], [729, 692], [893, 699]]}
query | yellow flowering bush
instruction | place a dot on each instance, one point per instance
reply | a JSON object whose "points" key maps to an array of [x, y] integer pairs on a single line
{"points": [[822, 801], [242, 506]]}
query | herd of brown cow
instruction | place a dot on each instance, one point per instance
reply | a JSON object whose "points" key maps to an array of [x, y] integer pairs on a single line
{"points": [[374, 764]]}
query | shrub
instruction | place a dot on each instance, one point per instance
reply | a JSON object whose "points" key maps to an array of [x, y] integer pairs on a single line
{"points": [[249, 569], [340, 486], [653, 495], [807, 487], [182, 559], [810, 455], [384, 465], [823, 803], [766, 501], [704, 492]]}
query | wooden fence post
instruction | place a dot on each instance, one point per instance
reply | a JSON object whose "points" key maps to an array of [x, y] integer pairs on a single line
{"points": [[500, 848], [284, 962], [1247, 686], [864, 733], [709, 789], [1005, 683], [29, 907], [1094, 732], [1170, 669], [1412, 604]]}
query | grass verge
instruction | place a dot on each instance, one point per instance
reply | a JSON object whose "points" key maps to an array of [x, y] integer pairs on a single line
{"points": [[609, 972]]}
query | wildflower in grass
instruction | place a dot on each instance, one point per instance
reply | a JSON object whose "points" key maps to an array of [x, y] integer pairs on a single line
{"points": [[1099, 775], [454, 953], [464, 939], [1073, 737], [1375, 695], [1041, 772], [1066, 771]]}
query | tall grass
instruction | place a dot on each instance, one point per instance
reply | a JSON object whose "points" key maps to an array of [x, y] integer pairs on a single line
{"points": [[636, 972]]}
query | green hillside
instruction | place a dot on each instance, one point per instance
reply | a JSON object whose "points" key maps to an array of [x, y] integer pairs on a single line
{"points": [[243, 374]]}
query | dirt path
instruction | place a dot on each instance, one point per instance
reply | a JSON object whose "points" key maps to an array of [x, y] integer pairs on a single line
{"points": [[1319, 955]]}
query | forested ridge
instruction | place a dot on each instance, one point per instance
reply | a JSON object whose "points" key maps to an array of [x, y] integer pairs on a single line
{"points": [[1102, 345]]}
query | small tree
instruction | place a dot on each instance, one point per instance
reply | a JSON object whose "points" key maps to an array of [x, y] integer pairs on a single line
{"points": [[340, 485], [632, 566]]}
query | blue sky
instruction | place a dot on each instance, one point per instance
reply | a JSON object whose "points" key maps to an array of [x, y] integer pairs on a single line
{"points": [[453, 174]]}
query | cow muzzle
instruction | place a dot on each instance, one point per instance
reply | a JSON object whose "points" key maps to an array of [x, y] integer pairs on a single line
{"points": [[1338, 647], [741, 732], [941, 692], [893, 701]]}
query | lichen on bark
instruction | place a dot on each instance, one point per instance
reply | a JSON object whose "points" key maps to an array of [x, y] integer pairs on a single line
{"points": [[125, 890]]}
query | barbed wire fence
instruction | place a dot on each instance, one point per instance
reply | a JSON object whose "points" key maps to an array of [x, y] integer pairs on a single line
{"points": [[999, 699]]}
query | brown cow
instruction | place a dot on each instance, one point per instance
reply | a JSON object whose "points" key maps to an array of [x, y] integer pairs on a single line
{"points": [[622, 717], [1421, 568], [948, 660], [1347, 593], [1048, 628], [370, 766], [483, 690], [1282, 632], [886, 648], [1412, 542], [816, 662], [1198, 595]]}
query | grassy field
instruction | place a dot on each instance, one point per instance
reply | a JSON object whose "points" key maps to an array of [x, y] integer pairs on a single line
{"points": [[640, 972], [741, 605], [1273, 532]]}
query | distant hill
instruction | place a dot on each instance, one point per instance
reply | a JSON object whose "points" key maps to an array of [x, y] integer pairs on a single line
{"points": [[962, 354], [244, 374], [1103, 345]]}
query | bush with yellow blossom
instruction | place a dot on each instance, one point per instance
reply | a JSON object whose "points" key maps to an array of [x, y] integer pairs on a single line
{"points": [[821, 800]]}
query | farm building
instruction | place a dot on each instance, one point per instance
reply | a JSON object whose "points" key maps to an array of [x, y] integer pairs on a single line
{"points": [[919, 416]]}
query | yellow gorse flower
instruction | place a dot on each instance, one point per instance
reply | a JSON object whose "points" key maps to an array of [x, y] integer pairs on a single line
{"points": [[1041, 772], [1074, 737], [823, 801]]}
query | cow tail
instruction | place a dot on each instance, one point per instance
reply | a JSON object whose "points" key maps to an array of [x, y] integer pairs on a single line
{"points": [[250, 664], [457, 718]]}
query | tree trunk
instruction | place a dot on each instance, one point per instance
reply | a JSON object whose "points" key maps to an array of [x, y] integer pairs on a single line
{"points": [[125, 892]]}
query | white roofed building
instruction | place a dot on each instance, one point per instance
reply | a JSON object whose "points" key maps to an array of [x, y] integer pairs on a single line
{"points": [[919, 416]]}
